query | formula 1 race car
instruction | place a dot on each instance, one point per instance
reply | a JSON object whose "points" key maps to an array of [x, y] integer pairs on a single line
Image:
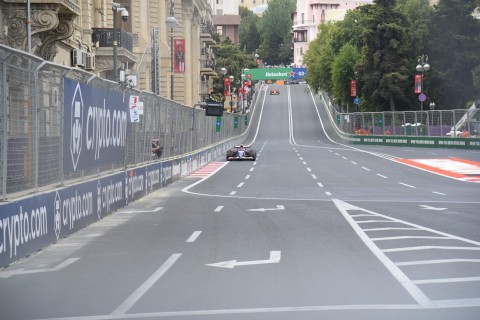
{"points": [[274, 91], [241, 153]]}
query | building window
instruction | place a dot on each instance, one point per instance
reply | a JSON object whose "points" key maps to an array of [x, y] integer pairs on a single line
{"points": [[303, 18]]}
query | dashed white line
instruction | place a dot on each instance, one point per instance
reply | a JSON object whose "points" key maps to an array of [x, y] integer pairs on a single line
{"points": [[345, 158], [353, 162], [382, 176], [233, 193], [440, 193], [309, 170], [301, 158], [194, 236], [304, 163], [218, 209], [320, 184], [366, 169], [328, 193], [247, 177], [240, 184], [407, 185], [314, 177], [251, 169]]}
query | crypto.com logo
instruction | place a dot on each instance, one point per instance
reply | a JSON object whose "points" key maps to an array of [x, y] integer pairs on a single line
{"points": [[76, 126]]}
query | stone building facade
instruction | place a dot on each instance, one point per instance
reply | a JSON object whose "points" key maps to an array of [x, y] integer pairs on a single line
{"points": [[79, 33]]}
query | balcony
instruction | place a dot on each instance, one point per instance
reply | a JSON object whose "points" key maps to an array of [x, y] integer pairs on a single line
{"points": [[207, 33], [207, 67], [103, 37], [65, 6]]}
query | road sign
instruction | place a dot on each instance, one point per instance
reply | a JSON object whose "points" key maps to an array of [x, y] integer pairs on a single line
{"points": [[218, 125], [235, 122], [356, 100], [422, 97]]}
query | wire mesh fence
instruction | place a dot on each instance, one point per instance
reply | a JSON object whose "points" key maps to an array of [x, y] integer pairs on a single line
{"points": [[464, 123], [32, 126]]}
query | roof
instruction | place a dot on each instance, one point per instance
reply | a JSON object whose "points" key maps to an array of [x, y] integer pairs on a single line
{"points": [[226, 20]]}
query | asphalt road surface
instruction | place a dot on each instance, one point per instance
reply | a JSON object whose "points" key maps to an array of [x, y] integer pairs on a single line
{"points": [[313, 229]]}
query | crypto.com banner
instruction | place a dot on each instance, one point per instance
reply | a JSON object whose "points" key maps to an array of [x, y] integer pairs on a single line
{"points": [[96, 123]]}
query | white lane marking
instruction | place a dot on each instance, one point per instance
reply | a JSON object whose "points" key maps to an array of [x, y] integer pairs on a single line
{"points": [[431, 248], [388, 229], [447, 280], [251, 169], [328, 193], [247, 177], [255, 162], [63, 264], [304, 163], [411, 288], [218, 209], [309, 170], [279, 207], [140, 292], [382, 176], [345, 158], [240, 184], [301, 158], [366, 169], [336, 154], [425, 207], [320, 184], [407, 185], [275, 257], [439, 193], [314, 177], [194, 236], [142, 210], [353, 162], [439, 261], [233, 193], [410, 237]]}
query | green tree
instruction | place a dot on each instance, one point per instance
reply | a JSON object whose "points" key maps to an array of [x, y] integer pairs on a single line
{"points": [[343, 71], [386, 70], [233, 59], [275, 27], [453, 50], [320, 57], [249, 35]]}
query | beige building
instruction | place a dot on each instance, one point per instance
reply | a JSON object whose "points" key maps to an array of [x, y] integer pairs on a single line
{"points": [[79, 33]]}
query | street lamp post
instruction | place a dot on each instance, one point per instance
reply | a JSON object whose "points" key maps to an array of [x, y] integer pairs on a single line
{"points": [[245, 95], [116, 7], [422, 66], [432, 108], [171, 23], [223, 72]]}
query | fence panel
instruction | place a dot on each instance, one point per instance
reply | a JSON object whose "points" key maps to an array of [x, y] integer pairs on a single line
{"points": [[33, 139]]}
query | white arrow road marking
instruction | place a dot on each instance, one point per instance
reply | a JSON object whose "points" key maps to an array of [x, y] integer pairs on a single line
{"points": [[66, 263], [275, 257], [279, 207], [431, 208]]}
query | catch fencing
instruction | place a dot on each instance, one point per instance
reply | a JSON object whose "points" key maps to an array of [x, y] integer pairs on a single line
{"points": [[459, 123], [42, 132]]}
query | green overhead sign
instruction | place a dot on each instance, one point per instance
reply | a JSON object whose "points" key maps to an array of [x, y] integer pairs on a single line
{"points": [[276, 73]]}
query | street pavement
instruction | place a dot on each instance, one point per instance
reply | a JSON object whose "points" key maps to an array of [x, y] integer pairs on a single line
{"points": [[313, 229]]}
